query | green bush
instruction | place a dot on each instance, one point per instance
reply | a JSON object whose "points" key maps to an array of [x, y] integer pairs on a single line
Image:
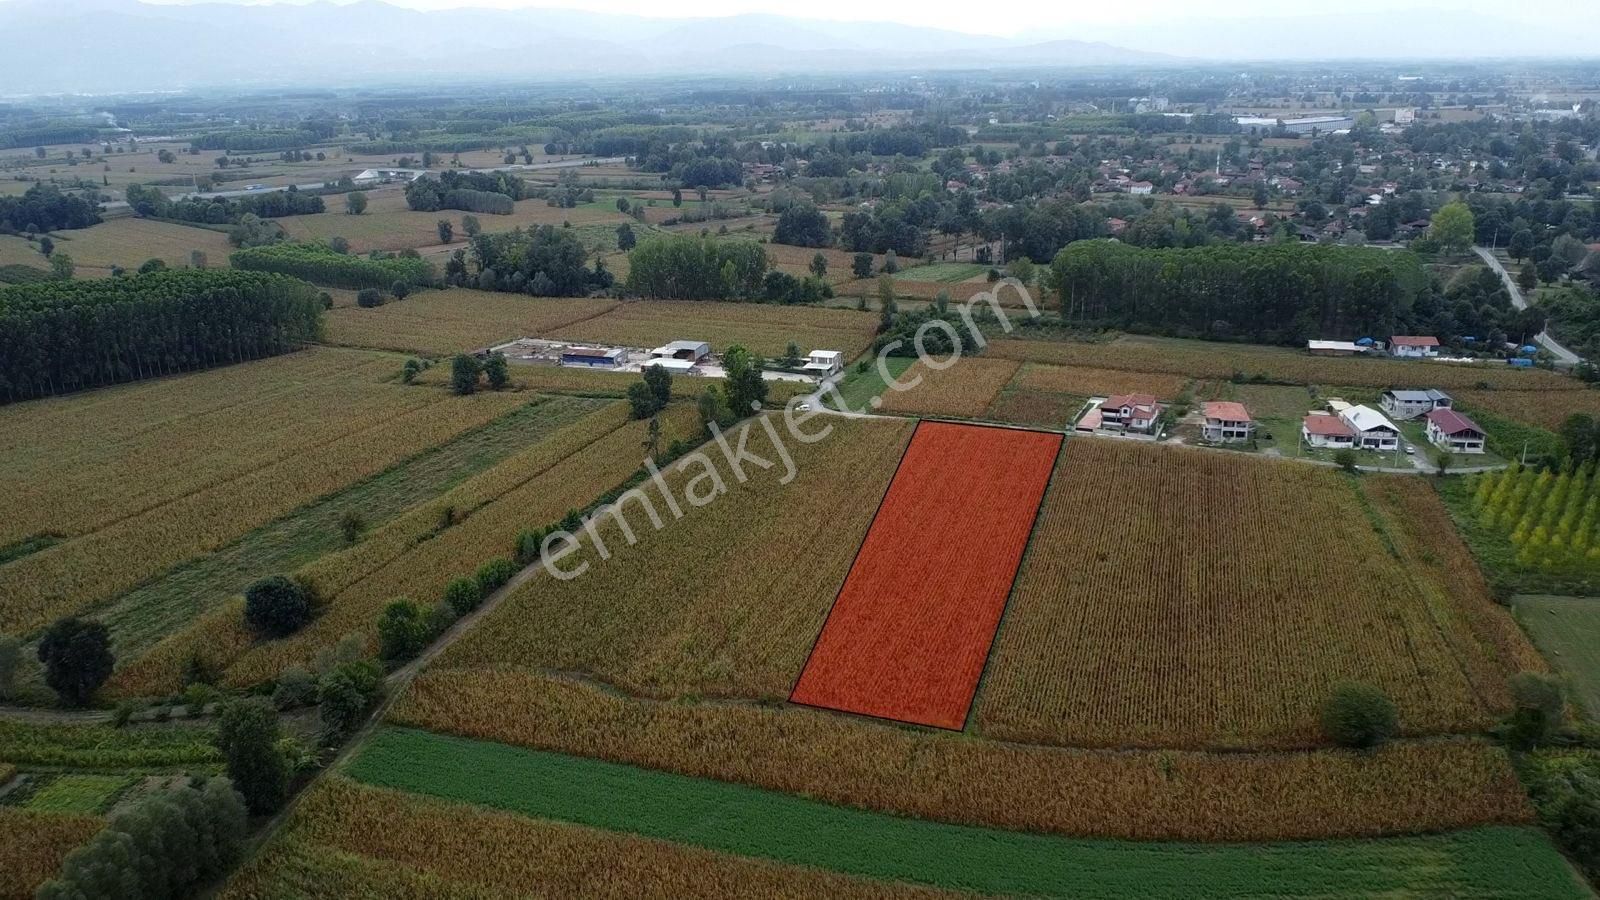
{"points": [[493, 574], [1358, 715], [276, 606], [463, 595], [1538, 704], [402, 631], [248, 736]]}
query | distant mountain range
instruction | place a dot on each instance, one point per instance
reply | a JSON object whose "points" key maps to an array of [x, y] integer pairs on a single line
{"points": [[122, 45]]}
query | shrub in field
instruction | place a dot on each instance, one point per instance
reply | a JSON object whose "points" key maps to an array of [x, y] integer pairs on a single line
{"points": [[1538, 706], [168, 846], [346, 693], [402, 630], [464, 372], [77, 659], [10, 657], [1358, 715], [248, 737], [276, 606], [495, 371], [463, 595], [295, 688], [367, 298], [493, 574]]}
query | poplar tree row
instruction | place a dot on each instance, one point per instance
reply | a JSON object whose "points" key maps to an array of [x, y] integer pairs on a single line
{"points": [[62, 336]]}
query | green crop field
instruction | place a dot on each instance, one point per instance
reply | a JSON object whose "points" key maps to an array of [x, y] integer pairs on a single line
{"points": [[1567, 630], [104, 747], [87, 794], [1487, 862]]}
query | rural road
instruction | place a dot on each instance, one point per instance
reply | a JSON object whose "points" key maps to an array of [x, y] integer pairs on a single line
{"points": [[1545, 340]]}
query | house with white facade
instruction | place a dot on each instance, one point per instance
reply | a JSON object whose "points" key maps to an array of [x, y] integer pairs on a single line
{"points": [[1130, 412], [1450, 430], [1326, 431], [1413, 346], [823, 363], [1226, 422], [1373, 430], [1410, 404]]}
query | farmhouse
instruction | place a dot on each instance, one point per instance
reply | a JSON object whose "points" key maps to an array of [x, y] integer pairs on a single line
{"points": [[1455, 432], [693, 351], [1324, 430], [593, 357], [1413, 346], [1332, 348], [1373, 431], [1130, 412], [1410, 404], [823, 363], [1226, 422]]}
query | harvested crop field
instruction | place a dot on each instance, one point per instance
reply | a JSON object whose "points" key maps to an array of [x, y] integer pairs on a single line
{"points": [[130, 242], [852, 761], [764, 328], [704, 626], [909, 633], [438, 323], [389, 224], [1196, 359], [1173, 618], [1541, 408], [965, 389]]}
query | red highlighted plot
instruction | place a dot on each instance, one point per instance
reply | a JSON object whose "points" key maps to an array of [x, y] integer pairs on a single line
{"points": [[911, 628]]}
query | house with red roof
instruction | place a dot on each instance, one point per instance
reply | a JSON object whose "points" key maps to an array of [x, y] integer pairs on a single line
{"points": [[1415, 346], [1226, 422], [1450, 430], [1130, 412], [1328, 431]]}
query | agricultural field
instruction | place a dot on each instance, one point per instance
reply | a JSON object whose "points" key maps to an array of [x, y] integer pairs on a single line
{"points": [[1567, 630], [298, 441], [791, 830], [454, 320], [945, 273], [1540, 408], [389, 224], [903, 641], [765, 328], [1087, 382], [101, 747], [413, 556], [81, 794], [1203, 629], [1199, 359], [129, 242], [703, 628], [1542, 522], [164, 605], [33, 844], [962, 390], [331, 851]]}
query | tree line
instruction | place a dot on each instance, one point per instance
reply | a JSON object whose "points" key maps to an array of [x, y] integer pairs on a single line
{"points": [[543, 262], [323, 265], [61, 336], [1264, 293], [152, 203], [465, 190], [44, 207], [685, 267]]}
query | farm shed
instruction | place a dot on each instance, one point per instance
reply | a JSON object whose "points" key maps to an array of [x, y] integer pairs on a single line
{"points": [[693, 351]]}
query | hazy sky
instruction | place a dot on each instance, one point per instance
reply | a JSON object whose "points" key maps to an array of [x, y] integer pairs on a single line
{"points": [[1031, 15]]}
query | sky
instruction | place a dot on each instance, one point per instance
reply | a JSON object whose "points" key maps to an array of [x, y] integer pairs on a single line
{"points": [[1058, 17]]}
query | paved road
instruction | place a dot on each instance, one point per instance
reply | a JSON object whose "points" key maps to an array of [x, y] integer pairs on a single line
{"points": [[1543, 338], [319, 185]]}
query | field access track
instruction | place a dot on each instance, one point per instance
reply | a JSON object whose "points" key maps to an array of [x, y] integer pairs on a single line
{"points": [[910, 630]]}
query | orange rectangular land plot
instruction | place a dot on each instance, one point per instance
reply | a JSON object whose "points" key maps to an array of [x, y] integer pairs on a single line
{"points": [[911, 628]]}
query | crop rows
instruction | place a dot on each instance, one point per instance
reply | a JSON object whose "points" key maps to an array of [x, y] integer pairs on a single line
{"points": [[725, 601], [1159, 611], [765, 328], [437, 323], [33, 844], [413, 556], [1283, 365], [104, 747], [1043, 408], [1087, 382], [1406, 787], [1534, 407], [73, 575], [448, 850], [963, 390], [78, 463], [906, 639]]}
